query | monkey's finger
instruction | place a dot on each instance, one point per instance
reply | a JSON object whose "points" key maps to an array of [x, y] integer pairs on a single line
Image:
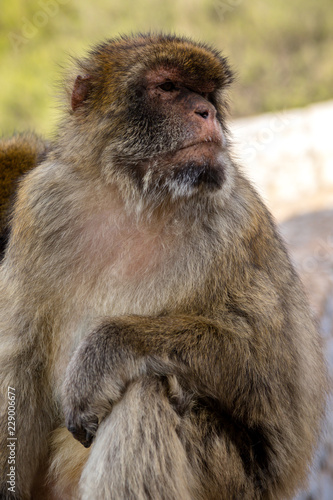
{"points": [[89, 439], [83, 431], [85, 437], [77, 432]]}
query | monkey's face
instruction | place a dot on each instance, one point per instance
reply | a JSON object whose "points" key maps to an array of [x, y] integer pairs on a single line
{"points": [[182, 146], [163, 114]]}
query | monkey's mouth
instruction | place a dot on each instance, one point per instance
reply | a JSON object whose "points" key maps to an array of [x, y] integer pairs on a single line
{"points": [[199, 164], [195, 167], [204, 143]]}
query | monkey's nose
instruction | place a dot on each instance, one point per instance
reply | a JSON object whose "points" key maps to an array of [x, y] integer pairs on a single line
{"points": [[203, 113], [206, 110], [209, 127]]}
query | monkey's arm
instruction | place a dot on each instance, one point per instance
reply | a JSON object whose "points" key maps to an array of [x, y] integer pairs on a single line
{"points": [[217, 359]]}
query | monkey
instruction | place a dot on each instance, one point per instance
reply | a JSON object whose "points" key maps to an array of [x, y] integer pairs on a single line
{"points": [[149, 310], [18, 155]]}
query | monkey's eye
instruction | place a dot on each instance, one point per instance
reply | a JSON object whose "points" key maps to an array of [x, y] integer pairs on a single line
{"points": [[168, 86]]}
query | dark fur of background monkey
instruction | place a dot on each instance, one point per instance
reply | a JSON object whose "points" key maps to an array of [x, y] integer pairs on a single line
{"points": [[18, 155], [147, 302]]}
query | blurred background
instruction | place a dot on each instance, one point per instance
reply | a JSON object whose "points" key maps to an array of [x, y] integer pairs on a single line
{"points": [[281, 107], [281, 51]]}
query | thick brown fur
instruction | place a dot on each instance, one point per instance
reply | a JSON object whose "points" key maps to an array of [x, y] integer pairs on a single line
{"points": [[147, 302], [18, 155]]}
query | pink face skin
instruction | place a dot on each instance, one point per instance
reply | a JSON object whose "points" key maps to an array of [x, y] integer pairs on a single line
{"points": [[196, 153], [170, 92]]}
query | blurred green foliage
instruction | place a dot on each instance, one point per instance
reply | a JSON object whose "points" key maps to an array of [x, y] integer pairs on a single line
{"points": [[282, 51]]}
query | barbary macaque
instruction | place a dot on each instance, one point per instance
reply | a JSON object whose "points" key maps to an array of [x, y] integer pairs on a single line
{"points": [[148, 307], [18, 155]]}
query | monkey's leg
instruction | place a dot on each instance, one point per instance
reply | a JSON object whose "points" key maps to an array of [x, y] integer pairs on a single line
{"points": [[160, 445], [137, 453], [27, 416]]}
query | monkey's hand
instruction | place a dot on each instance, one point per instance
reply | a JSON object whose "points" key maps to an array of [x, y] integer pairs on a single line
{"points": [[96, 377], [123, 349], [199, 352]]}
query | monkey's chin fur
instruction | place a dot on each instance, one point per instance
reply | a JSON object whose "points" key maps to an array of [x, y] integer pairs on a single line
{"points": [[199, 165], [197, 168]]}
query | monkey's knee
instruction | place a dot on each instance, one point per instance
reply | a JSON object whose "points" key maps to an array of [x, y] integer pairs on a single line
{"points": [[66, 462], [137, 453]]}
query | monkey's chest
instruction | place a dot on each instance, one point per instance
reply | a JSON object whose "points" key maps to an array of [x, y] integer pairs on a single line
{"points": [[124, 254], [124, 268]]}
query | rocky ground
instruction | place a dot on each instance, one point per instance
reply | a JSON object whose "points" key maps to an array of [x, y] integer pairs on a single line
{"points": [[289, 157]]}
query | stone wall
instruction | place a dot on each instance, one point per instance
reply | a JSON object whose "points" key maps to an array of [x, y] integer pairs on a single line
{"points": [[289, 157]]}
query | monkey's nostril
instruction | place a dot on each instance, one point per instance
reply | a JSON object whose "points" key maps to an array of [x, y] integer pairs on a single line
{"points": [[203, 113]]}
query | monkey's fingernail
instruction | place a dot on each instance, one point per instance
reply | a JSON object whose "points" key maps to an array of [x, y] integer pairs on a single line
{"points": [[89, 437]]}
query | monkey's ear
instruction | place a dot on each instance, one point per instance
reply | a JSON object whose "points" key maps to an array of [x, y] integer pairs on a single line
{"points": [[81, 90]]}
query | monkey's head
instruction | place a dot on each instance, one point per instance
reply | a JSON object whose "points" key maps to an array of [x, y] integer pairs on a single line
{"points": [[151, 108]]}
